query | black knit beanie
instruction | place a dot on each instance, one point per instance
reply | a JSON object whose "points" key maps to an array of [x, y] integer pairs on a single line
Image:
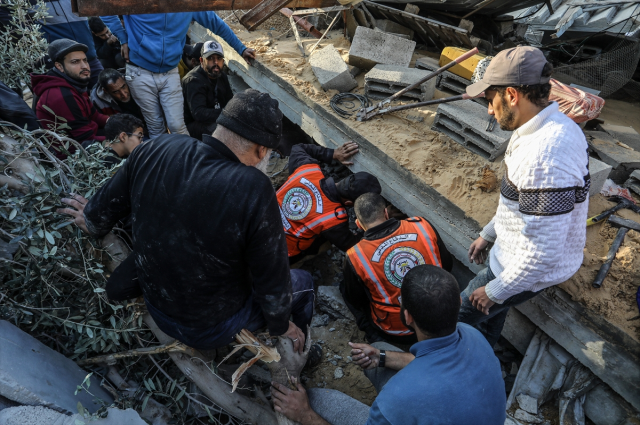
{"points": [[254, 116], [358, 184]]}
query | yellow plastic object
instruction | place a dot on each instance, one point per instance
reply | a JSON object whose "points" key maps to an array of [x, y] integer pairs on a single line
{"points": [[464, 69]]}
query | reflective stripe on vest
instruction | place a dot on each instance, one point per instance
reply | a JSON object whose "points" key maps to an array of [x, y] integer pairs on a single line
{"points": [[383, 263], [305, 210]]}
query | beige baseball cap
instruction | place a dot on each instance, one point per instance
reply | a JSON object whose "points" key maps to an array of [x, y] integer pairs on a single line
{"points": [[518, 66]]}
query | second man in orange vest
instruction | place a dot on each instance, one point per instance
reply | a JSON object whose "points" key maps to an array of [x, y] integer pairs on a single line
{"points": [[375, 267], [312, 206]]}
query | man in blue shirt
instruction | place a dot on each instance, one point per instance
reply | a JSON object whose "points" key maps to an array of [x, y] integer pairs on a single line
{"points": [[152, 47], [451, 375]]}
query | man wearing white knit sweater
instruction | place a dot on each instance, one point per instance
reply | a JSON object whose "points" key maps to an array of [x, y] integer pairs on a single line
{"points": [[539, 228]]}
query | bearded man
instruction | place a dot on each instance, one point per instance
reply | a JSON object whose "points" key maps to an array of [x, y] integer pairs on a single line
{"points": [[209, 251], [539, 228], [206, 91]]}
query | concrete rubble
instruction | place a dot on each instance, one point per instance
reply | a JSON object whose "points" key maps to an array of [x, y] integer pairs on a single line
{"points": [[599, 172], [633, 182], [38, 415], [465, 122], [34, 374], [392, 27], [622, 158], [447, 80], [528, 403], [330, 301], [370, 47], [623, 134], [331, 71], [385, 80]]}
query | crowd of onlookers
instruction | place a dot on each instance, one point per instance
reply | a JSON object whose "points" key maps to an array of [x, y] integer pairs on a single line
{"points": [[140, 66]]}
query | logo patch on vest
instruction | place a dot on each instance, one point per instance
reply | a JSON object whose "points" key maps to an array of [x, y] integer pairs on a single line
{"points": [[391, 242], [296, 204], [315, 192], [399, 262]]}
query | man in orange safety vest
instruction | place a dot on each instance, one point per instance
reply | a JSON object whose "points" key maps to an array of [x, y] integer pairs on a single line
{"points": [[312, 206], [375, 267]]}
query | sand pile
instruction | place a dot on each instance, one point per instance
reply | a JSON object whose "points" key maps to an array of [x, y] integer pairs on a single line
{"points": [[469, 181]]}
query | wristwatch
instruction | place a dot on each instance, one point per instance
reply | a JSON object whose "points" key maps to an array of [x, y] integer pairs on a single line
{"points": [[383, 358]]}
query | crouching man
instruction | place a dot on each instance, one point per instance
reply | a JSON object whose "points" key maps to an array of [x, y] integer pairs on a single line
{"points": [[375, 267], [209, 253], [451, 375]]}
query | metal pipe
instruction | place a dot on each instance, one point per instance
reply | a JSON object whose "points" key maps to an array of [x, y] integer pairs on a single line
{"points": [[301, 22]]}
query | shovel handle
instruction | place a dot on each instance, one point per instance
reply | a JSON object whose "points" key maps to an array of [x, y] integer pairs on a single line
{"points": [[611, 255]]}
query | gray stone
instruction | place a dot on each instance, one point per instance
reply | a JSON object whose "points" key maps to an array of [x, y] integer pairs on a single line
{"points": [[338, 373], [336, 407], [391, 27], [385, 80], [521, 415], [633, 182], [412, 8], [331, 71], [330, 301], [353, 70], [599, 172], [626, 135], [38, 415], [371, 47], [319, 320], [623, 159], [527, 403], [465, 122], [415, 118], [34, 374]]}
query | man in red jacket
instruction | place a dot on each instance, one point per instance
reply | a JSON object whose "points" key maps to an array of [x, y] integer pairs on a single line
{"points": [[62, 93]]}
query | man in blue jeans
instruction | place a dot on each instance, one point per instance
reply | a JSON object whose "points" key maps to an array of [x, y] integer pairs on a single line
{"points": [[152, 47], [539, 228]]}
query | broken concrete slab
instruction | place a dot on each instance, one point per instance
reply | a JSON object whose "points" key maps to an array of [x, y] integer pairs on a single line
{"points": [[405, 36], [38, 415], [623, 159], [599, 172], [527, 403], [633, 182], [331, 70], [384, 80], [391, 27], [465, 122], [34, 374], [330, 301], [319, 320], [627, 135], [370, 48], [521, 415]]}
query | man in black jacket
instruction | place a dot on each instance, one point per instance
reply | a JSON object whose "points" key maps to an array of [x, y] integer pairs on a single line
{"points": [[209, 251], [106, 44], [206, 91]]}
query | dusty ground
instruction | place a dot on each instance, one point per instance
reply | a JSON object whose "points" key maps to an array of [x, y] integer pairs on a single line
{"points": [[464, 177]]}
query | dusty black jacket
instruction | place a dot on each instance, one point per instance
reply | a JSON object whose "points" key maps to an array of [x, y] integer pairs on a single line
{"points": [[204, 98], [206, 231], [302, 154], [355, 292]]}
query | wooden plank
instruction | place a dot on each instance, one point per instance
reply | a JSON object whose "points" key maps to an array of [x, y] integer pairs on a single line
{"points": [[139, 7], [261, 12]]}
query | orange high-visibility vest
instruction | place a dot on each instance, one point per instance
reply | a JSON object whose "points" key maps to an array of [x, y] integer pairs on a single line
{"points": [[305, 210], [383, 263]]}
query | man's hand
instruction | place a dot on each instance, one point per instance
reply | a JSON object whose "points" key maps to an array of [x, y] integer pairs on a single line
{"points": [[364, 355], [249, 55], [124, 51], [477, 251], [344, 152], [297, 336], [112, 39], [294, 404], [77, 212], [480, 300]]}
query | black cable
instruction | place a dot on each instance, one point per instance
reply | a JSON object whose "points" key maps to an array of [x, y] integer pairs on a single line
{"points": [[344, 104]]}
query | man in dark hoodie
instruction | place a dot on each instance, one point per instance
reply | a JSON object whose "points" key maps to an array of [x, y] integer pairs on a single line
{"points": [[206, 91], [107, 45], [62, 93]]}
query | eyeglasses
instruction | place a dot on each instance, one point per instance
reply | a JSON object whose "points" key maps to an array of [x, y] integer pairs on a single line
{"points": [[138, 135]]}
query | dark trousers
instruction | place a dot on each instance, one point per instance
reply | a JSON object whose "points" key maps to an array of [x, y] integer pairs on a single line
{"points": [[123, 285], [490, 325]]}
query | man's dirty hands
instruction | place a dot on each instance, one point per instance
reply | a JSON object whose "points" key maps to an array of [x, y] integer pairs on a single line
{"points": [[77, 212], [364, 355], [345, 152], [297, 336]]}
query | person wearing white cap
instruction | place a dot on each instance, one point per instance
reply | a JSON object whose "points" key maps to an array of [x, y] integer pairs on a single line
{"points": [[539, 228], [206, 91]]}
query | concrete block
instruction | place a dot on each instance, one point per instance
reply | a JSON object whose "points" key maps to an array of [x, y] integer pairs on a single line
{"points": [[412, 8], [405, 36], [371, 47], [465, 122], [385, 80], [626, 135], [331, 71], [527, 403], [392, 27], [34, 374], [599, 172], [633, 182], [330, 301], [623, 160]]}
